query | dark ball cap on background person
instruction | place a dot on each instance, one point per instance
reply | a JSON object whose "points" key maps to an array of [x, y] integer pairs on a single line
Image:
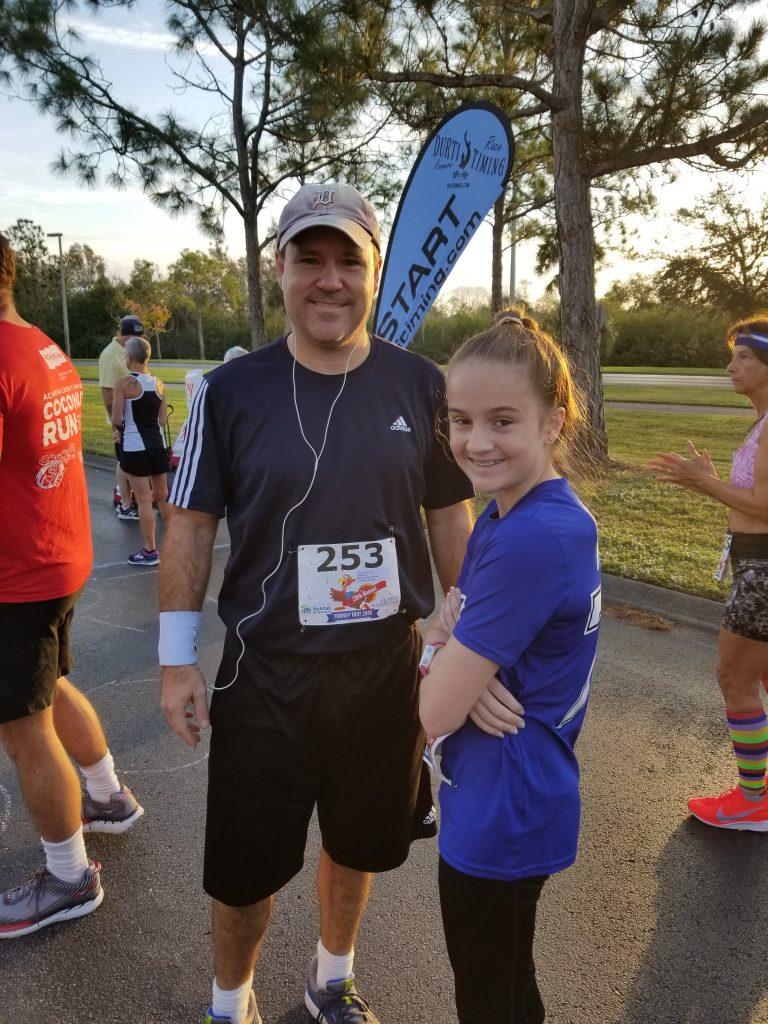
{"points": [[329, 206], [131, 325]]}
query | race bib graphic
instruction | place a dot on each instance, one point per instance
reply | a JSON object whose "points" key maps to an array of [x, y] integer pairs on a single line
{"points": [[53, 467], [341, 584]]}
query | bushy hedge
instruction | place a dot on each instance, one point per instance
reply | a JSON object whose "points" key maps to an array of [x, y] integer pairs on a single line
{"points": [[666, 336], [444, 329]]}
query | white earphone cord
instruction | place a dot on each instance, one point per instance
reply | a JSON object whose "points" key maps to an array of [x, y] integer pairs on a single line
{"points": [[318, 456]]}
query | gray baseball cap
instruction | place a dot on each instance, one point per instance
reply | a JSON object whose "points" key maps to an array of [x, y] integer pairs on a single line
{"points": [[329, 206]]}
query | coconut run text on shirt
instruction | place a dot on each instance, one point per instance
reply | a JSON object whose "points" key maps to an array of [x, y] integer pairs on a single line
{"points": [[62, 414]]}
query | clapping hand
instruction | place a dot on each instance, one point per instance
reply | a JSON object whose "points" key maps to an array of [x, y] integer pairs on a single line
{"points": [[671, 468]]}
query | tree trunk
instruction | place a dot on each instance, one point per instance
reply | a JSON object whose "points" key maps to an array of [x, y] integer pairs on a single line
{"points": [[253, 271], [498, 237], [573, 210], [157, 342], [200, 339]]}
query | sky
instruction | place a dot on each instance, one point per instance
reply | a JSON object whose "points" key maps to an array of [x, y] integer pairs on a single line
{"points": [[124, 225]]}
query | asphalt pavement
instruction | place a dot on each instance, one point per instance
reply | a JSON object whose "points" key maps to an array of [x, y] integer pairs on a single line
{"points": [[689, 380], [661, 921]]}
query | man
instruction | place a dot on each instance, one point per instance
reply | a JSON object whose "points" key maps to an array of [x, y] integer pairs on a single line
{"points": [[45, 559], [112, 366], [321, 449]]}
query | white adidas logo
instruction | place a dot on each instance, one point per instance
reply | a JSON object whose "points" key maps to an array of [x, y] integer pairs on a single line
{"points": [[400, 424]]}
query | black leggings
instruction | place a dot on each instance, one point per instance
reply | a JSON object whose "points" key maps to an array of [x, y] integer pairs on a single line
{"points": [[489, 928]]}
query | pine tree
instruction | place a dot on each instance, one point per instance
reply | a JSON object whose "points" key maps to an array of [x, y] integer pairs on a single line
{"points": [[265, 121], [613, 87]]}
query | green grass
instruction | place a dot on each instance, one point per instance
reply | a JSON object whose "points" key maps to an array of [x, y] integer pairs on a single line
{"points": [[648, 531], [674, 395], [651, 531], [89, 372], [97, 434], [656, 532], [692, 371]]}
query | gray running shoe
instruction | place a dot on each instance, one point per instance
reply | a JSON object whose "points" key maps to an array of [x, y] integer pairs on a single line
{"points": [[252, 1017], [46, 899], [121, 811], [338, 1003], [131, 513], [145, 557]]}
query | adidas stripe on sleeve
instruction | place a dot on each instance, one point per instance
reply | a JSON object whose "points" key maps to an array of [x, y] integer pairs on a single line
{"points": [[198, 483]]}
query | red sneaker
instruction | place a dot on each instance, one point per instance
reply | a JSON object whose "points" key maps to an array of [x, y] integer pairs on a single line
{"points": [[731, 810]]}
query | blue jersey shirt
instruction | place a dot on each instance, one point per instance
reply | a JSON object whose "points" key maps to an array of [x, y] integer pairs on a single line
{"points": [[531, 603], [385, 458]]}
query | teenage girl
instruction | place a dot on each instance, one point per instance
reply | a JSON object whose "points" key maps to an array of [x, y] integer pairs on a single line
{"points": [[742, 649], [508, 666]]}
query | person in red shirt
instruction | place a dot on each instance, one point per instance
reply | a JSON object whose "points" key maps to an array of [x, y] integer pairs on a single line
{"points": [[45, 560]]}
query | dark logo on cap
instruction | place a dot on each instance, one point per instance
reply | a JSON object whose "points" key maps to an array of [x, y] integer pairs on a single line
{"points": [[325, 197]]}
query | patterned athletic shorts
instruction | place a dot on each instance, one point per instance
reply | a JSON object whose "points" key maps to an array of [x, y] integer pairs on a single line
{"points": [[746, 610]]}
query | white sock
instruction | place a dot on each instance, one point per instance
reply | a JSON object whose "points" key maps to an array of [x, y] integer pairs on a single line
{"points": [[331, 967], [67, 860], [100, 779], [232, 1002]]}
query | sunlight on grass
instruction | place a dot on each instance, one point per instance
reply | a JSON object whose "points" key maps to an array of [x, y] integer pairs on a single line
{"points": [[674, 395]]}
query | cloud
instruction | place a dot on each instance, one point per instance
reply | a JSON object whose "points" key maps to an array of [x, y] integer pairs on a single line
{"points": [[141, 37], [134, 38], [33, 195]]}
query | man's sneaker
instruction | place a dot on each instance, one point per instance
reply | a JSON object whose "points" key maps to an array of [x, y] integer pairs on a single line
{"points": [[145, 557], [117, 815], [131, 513], [45, 900], [252, 1017], [338, 1003], [731, 810]]}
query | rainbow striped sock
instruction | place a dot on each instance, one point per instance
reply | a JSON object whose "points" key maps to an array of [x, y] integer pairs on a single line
{"points": [[749, 735]]}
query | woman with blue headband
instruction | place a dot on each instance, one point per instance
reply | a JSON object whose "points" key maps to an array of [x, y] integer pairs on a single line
{"points": [[742, 650]]}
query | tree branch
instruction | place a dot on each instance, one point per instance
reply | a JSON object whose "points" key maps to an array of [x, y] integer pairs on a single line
{"points": [[194, 10], [541, 14], [498, 81], [519, 113], [603, 16], [705, 146]]}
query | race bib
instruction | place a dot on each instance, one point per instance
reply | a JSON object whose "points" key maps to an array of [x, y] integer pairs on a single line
{"points": [[722, 566], [430, 756], [341, 584]]}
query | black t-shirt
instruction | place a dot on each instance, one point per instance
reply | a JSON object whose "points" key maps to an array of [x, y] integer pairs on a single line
{"points": [[384, 459]]}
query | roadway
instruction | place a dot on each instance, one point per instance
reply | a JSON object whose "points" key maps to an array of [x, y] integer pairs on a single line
{"points": [[660, 922]]}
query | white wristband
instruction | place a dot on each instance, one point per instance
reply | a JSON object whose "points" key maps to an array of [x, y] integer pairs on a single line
{"points": [[178, 632]]}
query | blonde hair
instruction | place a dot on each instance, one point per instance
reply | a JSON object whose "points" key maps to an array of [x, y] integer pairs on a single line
{"points": [[7, 266], [517, 340]]}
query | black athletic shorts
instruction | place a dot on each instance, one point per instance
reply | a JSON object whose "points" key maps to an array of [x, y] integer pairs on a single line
{"points": [[153, 462], [339, 732], [34, 640]]}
